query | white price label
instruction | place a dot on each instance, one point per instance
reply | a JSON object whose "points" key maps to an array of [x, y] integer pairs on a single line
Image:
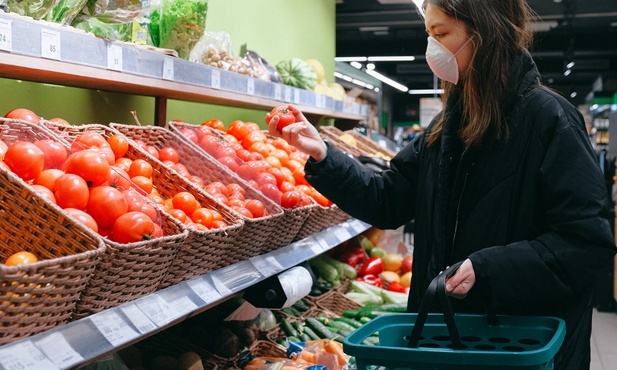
{"points": [[138, 318], [342, 234], [250, 86], [216, 79], [222, 288], [204, 290], [50, 44], [25, 355], [168, 69], [152, 308], [316, 248], [288, 94], [266, 266], [113, 328], [6, 34], [324, 244], [59, 350], [114, 57], [297, 96], [320, 101], [180, 306], [278, 92]]}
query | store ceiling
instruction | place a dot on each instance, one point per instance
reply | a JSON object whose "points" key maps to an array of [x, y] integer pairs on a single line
{"points": [[584, 31]]}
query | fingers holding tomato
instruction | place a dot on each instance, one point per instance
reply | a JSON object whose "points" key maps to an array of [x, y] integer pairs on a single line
{"points": [[284, 117]]}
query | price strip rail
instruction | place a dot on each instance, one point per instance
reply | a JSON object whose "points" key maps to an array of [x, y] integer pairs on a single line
{"points": [[81, 342], [47, 52]]}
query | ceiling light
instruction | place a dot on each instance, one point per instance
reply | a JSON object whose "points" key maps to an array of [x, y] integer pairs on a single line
{"points": [[570, 65], [425, 91], [573, 94], [387, 80], [370, 66], [567, 72], [356, 65], [355, 81], [401, 58], [374, 28], [557, 1], [350, 59]]}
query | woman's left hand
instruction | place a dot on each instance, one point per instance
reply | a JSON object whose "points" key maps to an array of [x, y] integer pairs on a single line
{"points": [[459, 284]]}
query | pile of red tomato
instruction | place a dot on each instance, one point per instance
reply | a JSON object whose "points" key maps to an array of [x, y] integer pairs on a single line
{"points": [[270, 165]]}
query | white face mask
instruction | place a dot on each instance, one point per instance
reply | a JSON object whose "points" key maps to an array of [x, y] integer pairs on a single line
{"points": [[441, 60]]}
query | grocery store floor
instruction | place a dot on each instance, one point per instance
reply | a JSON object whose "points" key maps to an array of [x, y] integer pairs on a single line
{"points": [[604, 341]]}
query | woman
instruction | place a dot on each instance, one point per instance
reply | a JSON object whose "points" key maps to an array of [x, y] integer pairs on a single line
{"points": [[505, 178]]}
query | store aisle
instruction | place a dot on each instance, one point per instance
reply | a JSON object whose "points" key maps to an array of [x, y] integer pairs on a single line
{"points": [[604, 341]]}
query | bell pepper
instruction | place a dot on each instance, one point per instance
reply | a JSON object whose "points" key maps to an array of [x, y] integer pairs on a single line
{"points": [[398, 287], [350, 258], [371, 279], [372, 266]]}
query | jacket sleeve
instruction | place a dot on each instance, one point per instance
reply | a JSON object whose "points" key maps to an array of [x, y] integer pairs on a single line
{"points": [[575, 240], [385, 200]]}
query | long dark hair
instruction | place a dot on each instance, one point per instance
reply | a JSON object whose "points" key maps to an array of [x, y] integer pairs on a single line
{"points": [[499, 29]]}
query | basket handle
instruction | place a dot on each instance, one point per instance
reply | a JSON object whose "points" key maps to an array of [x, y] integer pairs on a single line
{"points": [[437, 287]]}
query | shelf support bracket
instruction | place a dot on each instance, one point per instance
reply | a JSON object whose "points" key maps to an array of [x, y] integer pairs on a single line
{"points": [[160, 111]]}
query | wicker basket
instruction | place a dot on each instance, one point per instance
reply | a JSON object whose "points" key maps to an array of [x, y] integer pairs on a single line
{"points": [[334, 303], [278, 232], [320, 219], [369, 146], [127, 271], [42, 295]]}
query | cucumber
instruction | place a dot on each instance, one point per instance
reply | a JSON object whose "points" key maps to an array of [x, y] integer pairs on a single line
{"points": [[343, 325], [349, 321], [392, 307], [300, 306], [288, 329], [342, 268], [326, 271], [308, 331], [298, 326], [319, 328], [291, 339], [304, 337]]}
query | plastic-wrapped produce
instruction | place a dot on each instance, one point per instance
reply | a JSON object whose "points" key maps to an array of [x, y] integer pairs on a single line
{"points": [[181, 24], [65, 11], [36, 9]]}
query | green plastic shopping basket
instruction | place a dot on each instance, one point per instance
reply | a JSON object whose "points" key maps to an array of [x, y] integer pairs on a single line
{"points": [[463, 341]]}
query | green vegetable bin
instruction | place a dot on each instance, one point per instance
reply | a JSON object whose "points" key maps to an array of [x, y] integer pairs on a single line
{"points": [[409, 341]]}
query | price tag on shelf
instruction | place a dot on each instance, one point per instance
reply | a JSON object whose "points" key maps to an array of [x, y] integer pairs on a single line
{"points": [[324, 244], [50, 44], [6, 34], [168, 69], [114, 57], [138, 318], [250, 86], [288, 94], [113, 328], [216, 79], [266, 266], [297, 96], [25, 355], [342, 234], [179, 307], [151, 307], [58, 350], [317, 248], [278, 92], [204, 290], [222, 288], [320, 100]]}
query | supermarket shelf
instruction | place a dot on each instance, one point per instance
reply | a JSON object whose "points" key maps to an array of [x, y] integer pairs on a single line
{"points": [[45, 52], [80, 342]]}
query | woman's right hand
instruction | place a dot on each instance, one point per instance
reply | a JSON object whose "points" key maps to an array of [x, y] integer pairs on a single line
{"points": [[301, 134]]}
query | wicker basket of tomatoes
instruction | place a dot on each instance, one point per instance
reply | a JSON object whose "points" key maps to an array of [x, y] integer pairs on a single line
{"points": [[235, 161], [47, 256], [142, 239]]}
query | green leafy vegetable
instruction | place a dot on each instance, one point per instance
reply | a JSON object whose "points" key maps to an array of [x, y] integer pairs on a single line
{"points": [[36, 9], [65, 11], [182, 24]]}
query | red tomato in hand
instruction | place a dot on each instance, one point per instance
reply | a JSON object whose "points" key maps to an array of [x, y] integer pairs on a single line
{"points": [[133, 227], [286, 118], [25, 159]]}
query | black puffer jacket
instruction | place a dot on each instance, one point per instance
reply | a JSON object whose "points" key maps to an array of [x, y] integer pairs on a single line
{"points": [[530, 211]]}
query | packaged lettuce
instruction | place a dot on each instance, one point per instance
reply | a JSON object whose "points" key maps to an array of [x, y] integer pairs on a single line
{"points": [[65, 11], [109, 31], [36, 9], [181, 25]]}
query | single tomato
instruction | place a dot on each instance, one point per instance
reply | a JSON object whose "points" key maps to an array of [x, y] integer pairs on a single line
{"points": [[21, 258], [25, 159], [291, 199], [118, 178], [55, 153], [216, 124], [105, 205], [185, 201], [83, 217], [169, 154], [119, 145], [90, 165], [133, 227], [71, 191], [23, 114], [256, 207], [48, 178], [285, 117], [59, 121], [45, 193], [203, 216], [140, 167]]}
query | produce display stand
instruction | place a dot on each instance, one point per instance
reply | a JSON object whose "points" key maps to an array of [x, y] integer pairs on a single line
{"points": [[82, 341]]}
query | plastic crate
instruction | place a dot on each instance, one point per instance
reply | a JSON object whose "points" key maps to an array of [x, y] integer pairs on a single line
{"points": [[518, 342]]}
